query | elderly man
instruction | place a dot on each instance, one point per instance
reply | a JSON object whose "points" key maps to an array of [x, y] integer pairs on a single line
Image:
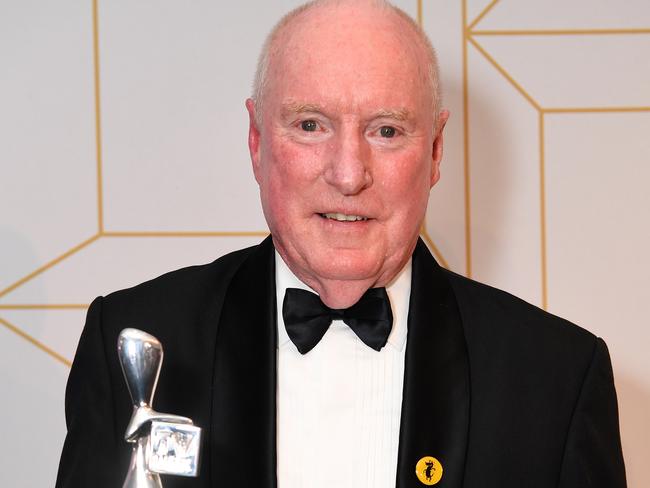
{"points": [[337, 353]]}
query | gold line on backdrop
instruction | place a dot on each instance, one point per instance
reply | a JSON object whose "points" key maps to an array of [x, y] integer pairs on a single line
{"points": [[505, 74], [557, 32], [43, 306], [35, 342], [575, 110], [98, 120], [50, 264], [479, 17], [542, 210], [466, 168], [542, 183], [466, 160]]}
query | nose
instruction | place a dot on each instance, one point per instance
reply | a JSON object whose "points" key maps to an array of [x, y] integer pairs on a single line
{"points": [[348, 170]]}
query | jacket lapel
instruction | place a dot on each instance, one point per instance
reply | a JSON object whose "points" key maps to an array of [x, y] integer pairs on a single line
{"points": [[243, 428], [436, 399]]}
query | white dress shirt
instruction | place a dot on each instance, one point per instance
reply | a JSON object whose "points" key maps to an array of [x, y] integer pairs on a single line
{"points": [[339, 405]]}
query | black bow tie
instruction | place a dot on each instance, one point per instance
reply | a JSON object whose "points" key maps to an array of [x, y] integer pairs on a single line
{"points": [[307, 318]]}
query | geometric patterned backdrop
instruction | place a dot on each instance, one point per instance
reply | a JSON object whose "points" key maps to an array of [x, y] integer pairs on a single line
{"points": [[124, 155]]}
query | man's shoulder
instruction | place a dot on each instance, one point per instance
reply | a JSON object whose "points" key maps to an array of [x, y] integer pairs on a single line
{"points": [[493, 316], [521, 353]]}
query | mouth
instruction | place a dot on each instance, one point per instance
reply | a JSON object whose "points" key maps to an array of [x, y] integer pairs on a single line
{"points": [[343, 217]]}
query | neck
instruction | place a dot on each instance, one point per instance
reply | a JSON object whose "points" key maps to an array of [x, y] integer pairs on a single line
{"points": [[339, 293]]}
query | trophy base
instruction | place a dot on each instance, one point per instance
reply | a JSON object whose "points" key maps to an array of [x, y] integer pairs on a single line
{"points": [[174, 448]]}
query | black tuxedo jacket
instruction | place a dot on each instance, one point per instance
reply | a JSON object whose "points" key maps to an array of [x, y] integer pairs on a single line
{"points": [[502, 393]]}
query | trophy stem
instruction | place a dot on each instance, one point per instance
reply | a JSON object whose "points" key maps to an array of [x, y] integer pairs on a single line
{"points": [[138, 475]]}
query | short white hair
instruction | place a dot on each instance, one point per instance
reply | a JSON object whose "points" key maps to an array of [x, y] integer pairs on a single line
{"points": [[270, 49]]}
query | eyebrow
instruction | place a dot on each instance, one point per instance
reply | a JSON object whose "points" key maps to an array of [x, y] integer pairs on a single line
{"points": [[298, 108], [400, 114]]}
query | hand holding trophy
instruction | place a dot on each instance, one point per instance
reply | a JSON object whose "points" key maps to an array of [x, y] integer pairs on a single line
{"points": [[163, 443]]}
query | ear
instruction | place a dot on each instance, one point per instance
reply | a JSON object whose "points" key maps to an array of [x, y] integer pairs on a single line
{"points": [[436, 153], [253, 138]]}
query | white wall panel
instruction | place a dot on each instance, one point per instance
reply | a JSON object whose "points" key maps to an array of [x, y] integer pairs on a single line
{"points": [[47, 148], [573, 14], [174, 80], [32, 405]]}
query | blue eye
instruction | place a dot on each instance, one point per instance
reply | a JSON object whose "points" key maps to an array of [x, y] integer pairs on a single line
{"points": [[387, 131], [309, 125]]}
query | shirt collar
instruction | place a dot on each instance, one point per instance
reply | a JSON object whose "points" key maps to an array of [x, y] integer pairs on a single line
{"points": [[398, 290]]}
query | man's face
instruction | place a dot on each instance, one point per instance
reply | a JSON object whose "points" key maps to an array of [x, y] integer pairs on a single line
{"points": [[345, 155]]}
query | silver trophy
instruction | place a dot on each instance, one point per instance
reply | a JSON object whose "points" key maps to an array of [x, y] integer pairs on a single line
{"points": [[162, 442]]}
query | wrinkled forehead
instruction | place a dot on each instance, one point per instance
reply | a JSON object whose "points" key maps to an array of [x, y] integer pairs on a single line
{"points": [[349, 55]]}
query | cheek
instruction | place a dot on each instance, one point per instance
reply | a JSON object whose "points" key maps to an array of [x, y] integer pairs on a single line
{"points": [[405, 181], [290, 173], [294, 166]]}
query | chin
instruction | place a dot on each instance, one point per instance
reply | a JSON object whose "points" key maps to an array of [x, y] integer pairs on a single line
{"points": [[344, 265]]}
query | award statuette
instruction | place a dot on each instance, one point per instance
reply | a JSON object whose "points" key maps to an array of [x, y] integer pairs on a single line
{"points": [[162, 443]]}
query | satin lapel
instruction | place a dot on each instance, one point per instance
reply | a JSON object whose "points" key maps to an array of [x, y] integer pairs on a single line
{"points": [[243, 416], [435, 405]]}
